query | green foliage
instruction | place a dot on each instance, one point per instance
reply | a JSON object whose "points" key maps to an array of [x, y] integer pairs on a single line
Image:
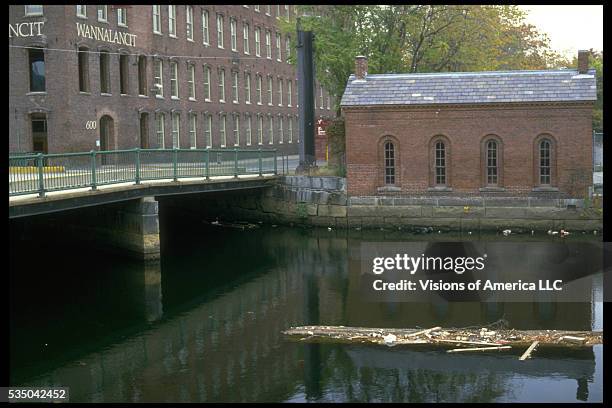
{"points": [[301, 210], [336, 140]]}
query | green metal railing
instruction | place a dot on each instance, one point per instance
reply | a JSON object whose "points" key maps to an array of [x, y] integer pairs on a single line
{"points": [[41, 173]]}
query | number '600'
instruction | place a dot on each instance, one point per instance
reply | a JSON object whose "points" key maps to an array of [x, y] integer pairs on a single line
{"points": [[91, 124]]}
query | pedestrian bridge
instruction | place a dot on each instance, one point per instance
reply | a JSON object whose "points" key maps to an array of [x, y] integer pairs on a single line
{"points": [[43, 183]]}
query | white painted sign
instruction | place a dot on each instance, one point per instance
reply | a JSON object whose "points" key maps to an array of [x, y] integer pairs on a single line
{"points": [[105, 34], [29, 29], [91, 124]]}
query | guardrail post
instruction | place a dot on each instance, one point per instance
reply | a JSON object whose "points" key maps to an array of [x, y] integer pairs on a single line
{"points": [[93, 170], [207, 164], [260, 164], [137, 176], [275, 164], [175, 162], [41, 180], [235, 163]]}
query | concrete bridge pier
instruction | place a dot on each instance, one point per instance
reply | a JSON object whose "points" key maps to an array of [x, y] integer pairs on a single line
{"points": [[136, 228]]}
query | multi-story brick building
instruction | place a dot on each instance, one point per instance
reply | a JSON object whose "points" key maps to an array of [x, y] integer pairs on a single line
{"points": [[525, 133], [86, 77]]}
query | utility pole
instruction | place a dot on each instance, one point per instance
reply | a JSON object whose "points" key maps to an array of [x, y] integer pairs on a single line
{"points": [[305, 73]]}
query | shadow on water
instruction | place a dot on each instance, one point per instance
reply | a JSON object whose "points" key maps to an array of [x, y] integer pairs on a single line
{"points": [[205, 323]]}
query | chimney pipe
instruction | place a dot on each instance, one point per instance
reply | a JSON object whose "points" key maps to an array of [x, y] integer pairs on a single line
{"points": [[361, 67], [583, 61]]}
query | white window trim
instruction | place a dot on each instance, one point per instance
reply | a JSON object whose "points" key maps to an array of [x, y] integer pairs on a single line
{"points": [[163, 130], [249, 131], [172, 71], [193, 119], [205, 28], [246, 40], [207, 75], [172, 7], [220, 39], [105, 8], [40, 13], [236, 130], [189, 23], [124, 12], [79, 15], [247, 89], [209, 127], [233, 35], [160, 20], [235, 85], [191, 82]]}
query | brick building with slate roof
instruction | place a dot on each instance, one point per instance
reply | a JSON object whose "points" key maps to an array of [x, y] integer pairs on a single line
{"points": [[502, 133]]}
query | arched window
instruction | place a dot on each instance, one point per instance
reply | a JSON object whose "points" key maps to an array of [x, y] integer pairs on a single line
{"points": [[389, 163], [83, 59], [440, 163], [545, 153], [492, 162]]}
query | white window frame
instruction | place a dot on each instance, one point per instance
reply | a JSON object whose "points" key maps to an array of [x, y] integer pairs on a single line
{"points": [[328, 101], [122, 17], [287, 11], [207, 90], [256, 8], [172, 20], [247, 88], [245, 39], [280, 92], [205, 32], [270, 90], [260, 130], [279, 56], [158, 68], [268, 10], [208, 131], [235, 96], [249, 130], [189, 23], [223, 129], [258, 86], [321, 97], [104, 17], [193, 126], [222, 85], [81, 11], [191, 82], [281, 133], [268, 44], [233, 34], [287, 48], [290, 129], [174, 80], [157, 20], [270, 129], [29, 13], [289, 92], [220, 31], [160, 119], [176, 130], [257, 42], [236, 130]]}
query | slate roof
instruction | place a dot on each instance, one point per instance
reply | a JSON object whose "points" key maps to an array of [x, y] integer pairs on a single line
{"points": [[564, 85]]}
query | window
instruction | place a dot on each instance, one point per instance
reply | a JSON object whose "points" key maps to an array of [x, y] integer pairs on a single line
{"points": [[268, 45], [81, 11], [207, 84], [157, 19], [176, 130], [260, 130], [236, 130], [158, 78], [247, 88], [328, 102], [278, 11], [222, 134], [248, 130], [281, 133], [245, 36], [290, 128], [39, 133], [257, 42], [287, 48], [192, 130], [389, 163], [278, 47], [256, 8], [258, 80], [280, 92], [124, 74], [545, 162], [103, 14], [208, 131], [159, 126], [270, 130], [205, 34], [172, 20], [440, 163], [83, 69], [122, 16], [104, 72], [289, 92], [219, 31], [270, 90], [268, 10], [222, 85], [191, 81], [189, 22], [233, 34], [287, 11], [142, 75], [174, 89], [491, 160], [321, 97], [33, 10], [235, 87]]}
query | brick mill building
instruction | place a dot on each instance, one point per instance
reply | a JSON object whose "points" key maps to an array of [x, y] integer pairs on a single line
{"points": [[86, 77], [504, 133]]}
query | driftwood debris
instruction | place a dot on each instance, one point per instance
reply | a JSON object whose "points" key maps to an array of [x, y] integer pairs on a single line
{"points": [[530, 350], [450, 337], [479, 349]]}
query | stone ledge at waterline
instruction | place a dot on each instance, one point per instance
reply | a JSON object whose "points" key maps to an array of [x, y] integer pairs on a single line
{"points": [[322, 201]]}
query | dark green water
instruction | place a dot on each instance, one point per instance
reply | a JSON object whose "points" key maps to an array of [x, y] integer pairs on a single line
{"points": [[205, 324]]}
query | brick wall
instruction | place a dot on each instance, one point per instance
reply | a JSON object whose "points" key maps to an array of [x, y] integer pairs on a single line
{"points": [[517, 128]]}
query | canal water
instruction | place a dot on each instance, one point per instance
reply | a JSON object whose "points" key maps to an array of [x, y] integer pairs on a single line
{"points": [[204, 324]]}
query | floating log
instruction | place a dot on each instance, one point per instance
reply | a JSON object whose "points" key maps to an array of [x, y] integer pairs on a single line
{"points": [[478, 349], [528, 352], [440, 336]]}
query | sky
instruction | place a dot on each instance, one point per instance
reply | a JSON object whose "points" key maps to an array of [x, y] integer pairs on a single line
{"points": [[570, 28]]}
